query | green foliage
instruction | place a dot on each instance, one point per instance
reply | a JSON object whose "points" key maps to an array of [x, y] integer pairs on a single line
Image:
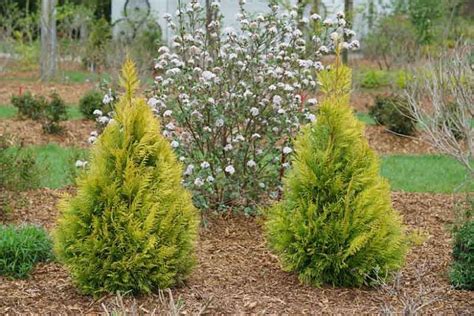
{"points": [[424, 14], [335, 223], [19, 169], [132, 226], [462, 270], [393, 112], [96, 48], [90, 102], [28, 105], [21, 248], [374, 79], [392, 41], [53, 113], [50, 113]]}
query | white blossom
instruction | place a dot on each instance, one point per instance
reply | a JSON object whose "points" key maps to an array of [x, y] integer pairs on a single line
{"points": [[205, 165], [230, 169], [175, 144], [97, 113], [251, 163], [254, 111], [287, 150], [198, 182]]}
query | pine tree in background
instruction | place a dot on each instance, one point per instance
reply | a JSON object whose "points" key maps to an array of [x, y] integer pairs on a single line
{"points": [[335, 224], [131, 227]]}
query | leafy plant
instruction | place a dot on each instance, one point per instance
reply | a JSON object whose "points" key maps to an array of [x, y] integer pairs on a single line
{"points": [[372, 79], [231, 101], [21, 248], [28, 105], [49, 112], [462, 269], [90, 102], [392, 41], [53, 113], [335, 224], [393, 112], [131, 227], [19, 169]]}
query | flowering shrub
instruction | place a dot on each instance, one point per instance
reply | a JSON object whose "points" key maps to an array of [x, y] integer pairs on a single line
{"points": [[230, 101]]}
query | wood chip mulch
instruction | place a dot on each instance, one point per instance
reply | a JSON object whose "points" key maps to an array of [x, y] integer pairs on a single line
{"points": [[385, 142], [70, 93], [237, 274], [28, 132], [76, 133]]}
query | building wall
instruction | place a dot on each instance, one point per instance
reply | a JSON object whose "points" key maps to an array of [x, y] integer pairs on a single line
{"points": [[230, 8]]}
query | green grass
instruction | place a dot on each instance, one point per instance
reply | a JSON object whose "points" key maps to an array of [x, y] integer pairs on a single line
{"points": [[21, 248], [58, 163], [8, 111], [77, 76], [424, 173], [365, 118], [409, 173]]}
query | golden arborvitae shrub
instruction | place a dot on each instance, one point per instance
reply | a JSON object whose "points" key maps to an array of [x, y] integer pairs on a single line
{"points": [[335, 224], [131, 227]]}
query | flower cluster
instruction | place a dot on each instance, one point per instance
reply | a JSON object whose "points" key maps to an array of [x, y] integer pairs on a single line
{"points": [[231, 100]]}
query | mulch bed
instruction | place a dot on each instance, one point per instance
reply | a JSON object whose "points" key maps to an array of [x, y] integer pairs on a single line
{"points": [[237, 274], [28, 132], [76, 133], [70, 93], [386, 142]]}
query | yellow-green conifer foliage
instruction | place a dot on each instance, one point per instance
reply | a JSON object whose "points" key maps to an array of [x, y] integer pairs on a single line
{"points": [[131, 227], [335, 224]]}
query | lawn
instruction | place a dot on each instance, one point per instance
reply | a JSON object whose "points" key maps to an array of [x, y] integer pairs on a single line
{"points": [[424, 173], [408, 173], [58, 163]]}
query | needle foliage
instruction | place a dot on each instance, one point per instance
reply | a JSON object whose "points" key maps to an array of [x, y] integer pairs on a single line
{"points": [[131, 227], [335, 224]]}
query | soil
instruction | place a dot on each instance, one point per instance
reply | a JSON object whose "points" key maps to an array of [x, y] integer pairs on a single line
{"points": [[28, 132], [237, 274], [70, 93], [386, 142]]}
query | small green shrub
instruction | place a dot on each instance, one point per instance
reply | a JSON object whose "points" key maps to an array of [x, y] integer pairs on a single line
{"points": [[90, 102], [335, 224], [19, 169], [132, 226], [53, 113], [21, 248], [462, 270], [28, 105], [450, 119], [372, 79], [37, 108], [392, 112]]}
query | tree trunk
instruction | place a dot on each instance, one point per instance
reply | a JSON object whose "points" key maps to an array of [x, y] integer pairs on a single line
{"points": [[349, 12], [48, 60]]}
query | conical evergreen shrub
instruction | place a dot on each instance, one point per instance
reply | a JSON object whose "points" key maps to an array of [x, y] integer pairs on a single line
{"points": [[335, 224], [131, 227]]}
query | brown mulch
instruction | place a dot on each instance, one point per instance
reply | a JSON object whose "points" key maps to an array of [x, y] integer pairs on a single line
{"points": [[28, 132], [386, 142], [70, 93], [76, 133], [237, 274]]}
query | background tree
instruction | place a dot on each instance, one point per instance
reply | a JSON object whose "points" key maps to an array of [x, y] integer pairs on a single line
{"points": [[48, 59], [348, 12]]}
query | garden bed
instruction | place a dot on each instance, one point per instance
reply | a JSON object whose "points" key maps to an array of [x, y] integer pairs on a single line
{"points": [[237, 274]]}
